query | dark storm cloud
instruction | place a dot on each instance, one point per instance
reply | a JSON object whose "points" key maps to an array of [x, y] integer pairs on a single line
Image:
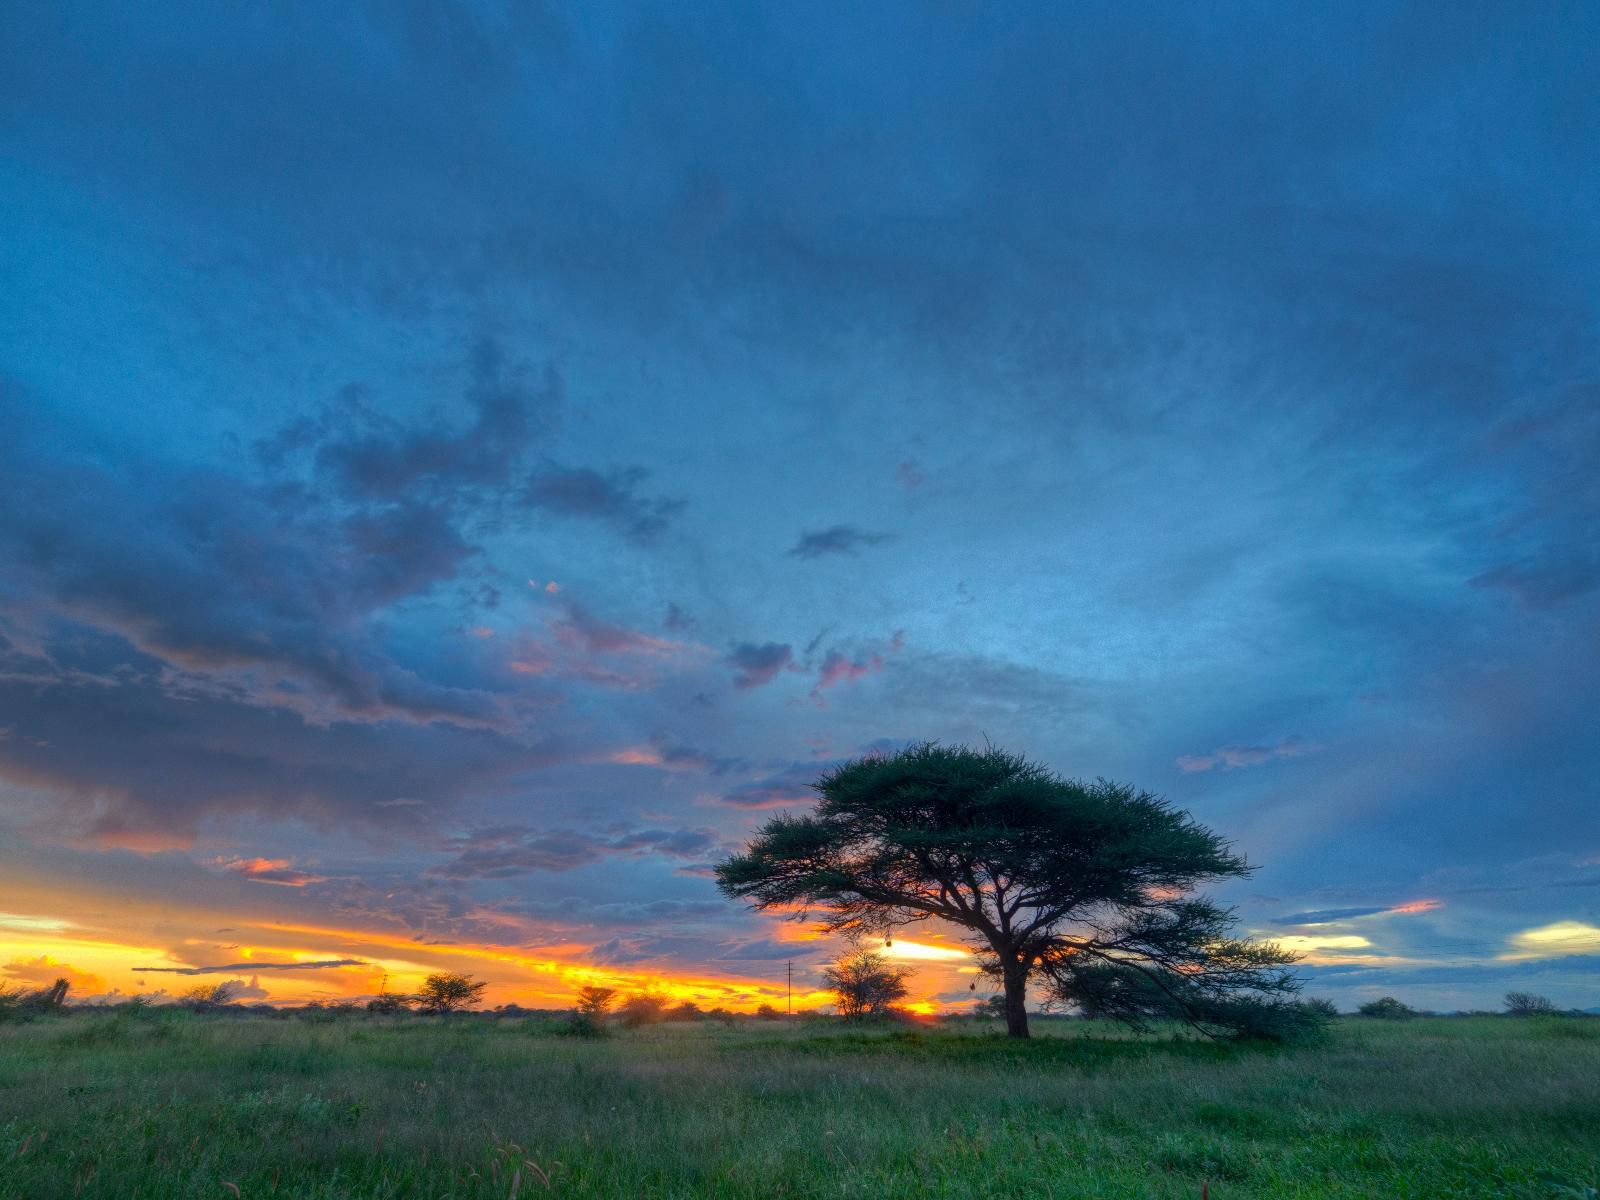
{"points": [[609, 497], [209, 573], [171, 748], [836, 539], [758, 665]]}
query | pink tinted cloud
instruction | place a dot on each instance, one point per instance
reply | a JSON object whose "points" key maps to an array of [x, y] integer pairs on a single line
{"points": [[270, 870]]}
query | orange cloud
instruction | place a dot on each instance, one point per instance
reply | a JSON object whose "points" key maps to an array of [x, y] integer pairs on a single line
{"points": [[44, 971]]}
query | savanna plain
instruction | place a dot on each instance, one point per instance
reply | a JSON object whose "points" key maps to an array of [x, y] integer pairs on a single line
{"points": [[181, 1104]]}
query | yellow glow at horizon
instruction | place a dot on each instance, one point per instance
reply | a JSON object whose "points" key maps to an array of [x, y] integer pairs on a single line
{"points": [[1302, 943], [901, 951], [1559, 938]]}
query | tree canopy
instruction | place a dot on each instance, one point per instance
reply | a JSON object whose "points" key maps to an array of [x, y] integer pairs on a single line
{"points": [[445, 993], [1051, 876]]}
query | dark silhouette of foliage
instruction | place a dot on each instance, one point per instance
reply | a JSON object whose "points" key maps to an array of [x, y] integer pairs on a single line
{"points": [[596, 1002], [1526, 1004], [865, 984], [643, 1008], [766, 1012], [1387, 1008], [390, 1003], [687, 1011], [447, 993], [206, 997], [1050, 876], [1319, 1004]]}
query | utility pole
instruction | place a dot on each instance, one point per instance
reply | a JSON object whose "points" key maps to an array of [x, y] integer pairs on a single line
{"points": [[791, 987]]}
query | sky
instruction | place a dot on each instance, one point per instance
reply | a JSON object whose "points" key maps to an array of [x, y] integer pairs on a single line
{"points": [[466, 467]]}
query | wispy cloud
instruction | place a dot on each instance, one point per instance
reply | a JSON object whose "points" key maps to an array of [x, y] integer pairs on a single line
{"points": [[1234, 757], [836, 539]]}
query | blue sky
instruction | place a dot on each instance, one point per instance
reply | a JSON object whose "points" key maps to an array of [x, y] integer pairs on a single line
{"points": [[466, 466]]}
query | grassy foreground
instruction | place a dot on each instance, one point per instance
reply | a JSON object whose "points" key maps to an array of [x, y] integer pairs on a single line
{"points": [[178, 1105]]}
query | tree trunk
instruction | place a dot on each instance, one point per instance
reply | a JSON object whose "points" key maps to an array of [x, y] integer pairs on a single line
{"points": [[1016, 981]]}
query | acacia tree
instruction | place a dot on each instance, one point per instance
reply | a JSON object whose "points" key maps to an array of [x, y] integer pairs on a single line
{"points": [[1045, 873], [865, 983], [446, 993], [595, 1001]]}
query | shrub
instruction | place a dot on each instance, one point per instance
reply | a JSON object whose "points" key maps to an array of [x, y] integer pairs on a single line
{"points": [[1526, 1004], [1318, 1004], [687, 1011], [645, 1008], [390, 1003], [1387, 1008], [767, 1013], [584, 1025]]}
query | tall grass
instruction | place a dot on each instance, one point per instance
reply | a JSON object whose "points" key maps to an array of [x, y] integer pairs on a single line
{"points": [[187, 1105]]}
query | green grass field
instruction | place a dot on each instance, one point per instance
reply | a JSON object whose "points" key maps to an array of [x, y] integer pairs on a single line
{"points": [[178, 1105]]}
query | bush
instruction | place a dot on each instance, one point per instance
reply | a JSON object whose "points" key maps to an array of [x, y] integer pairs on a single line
{"points": [[390, 1003], [1526, 1004], [596, 1002], [584, 1025], [208, 997], [646, 1008], [767, 1013], [1327, 1008], [1387, 1008]]}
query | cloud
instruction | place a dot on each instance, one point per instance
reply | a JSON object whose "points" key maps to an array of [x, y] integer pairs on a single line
{"points": [[375, 457], [236, 968], [836, 539], [43, 971], [1562, 938], [270, 870], [171, 749], [1231, 758], [1325, 916], [910, 475], [581, 630], [504, 852], [840, 668], [789, 787], [611, 498], [758, 665]]}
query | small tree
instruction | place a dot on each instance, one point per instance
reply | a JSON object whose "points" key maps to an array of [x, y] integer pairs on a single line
{"points": [[390, 1003], [448, 993], [991, 1008], [765, 1012], [1387, 1008], [1526, 1004], [865, 984], [687, 1011], [1047, 875], [596, 1002]]}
